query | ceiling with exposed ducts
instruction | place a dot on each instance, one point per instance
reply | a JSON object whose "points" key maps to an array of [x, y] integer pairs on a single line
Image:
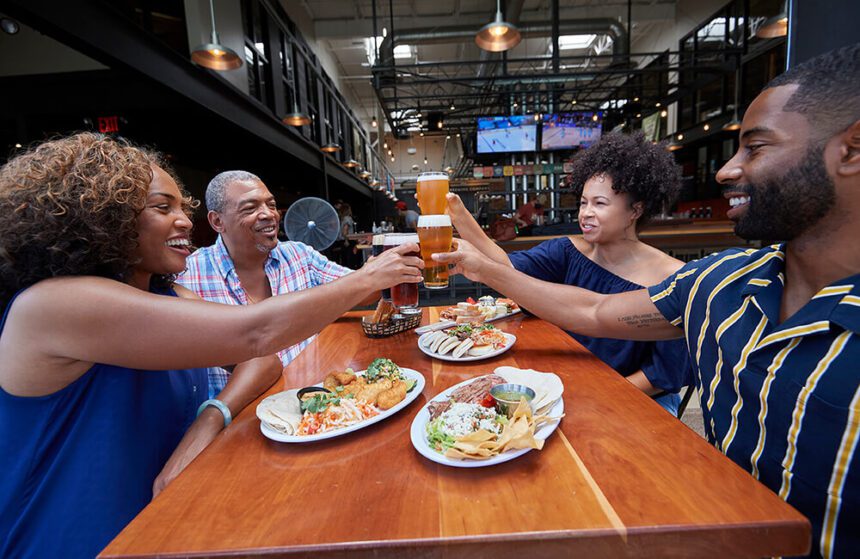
{"points": [[437, 68]]}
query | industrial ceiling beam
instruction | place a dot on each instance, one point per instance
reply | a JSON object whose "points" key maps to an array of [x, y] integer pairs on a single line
{"points": [[350, 28]]}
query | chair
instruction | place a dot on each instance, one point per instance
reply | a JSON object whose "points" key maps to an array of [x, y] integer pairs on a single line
{"points": [[685, 399]]}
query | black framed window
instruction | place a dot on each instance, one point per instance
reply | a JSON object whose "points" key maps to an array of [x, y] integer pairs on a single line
{"points": [[257, 55]]}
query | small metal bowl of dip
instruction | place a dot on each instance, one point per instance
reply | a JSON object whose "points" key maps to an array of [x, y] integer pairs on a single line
{"points": [[309, 392], [508, 397]]}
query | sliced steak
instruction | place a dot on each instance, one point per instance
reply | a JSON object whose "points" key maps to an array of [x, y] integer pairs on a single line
{"points": [[471, 393]]}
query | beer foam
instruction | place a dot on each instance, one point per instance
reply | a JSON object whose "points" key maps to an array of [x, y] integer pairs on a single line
{"points": [[434, 221], [433, 176], [400, 239]]}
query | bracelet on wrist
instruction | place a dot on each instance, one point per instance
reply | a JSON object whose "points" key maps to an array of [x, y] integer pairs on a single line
{"points": [[220, 406]]}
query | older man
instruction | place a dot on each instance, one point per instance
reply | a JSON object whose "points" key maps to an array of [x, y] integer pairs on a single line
{"points": [[247, 263], [772, 333]]}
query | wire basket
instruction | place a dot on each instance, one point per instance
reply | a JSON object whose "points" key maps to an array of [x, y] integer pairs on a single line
{"points": [[389, 328]]}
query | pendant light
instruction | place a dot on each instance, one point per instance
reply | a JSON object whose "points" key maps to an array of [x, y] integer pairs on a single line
{"points": [[296, 117], [214, 55], [734, 123], [773, 27], [498, 35]]}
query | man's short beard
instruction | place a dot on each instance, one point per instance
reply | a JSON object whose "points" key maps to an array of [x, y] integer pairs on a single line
{"points": [[782, 208], [263, 248]]}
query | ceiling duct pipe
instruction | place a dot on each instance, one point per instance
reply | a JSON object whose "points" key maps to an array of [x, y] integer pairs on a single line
{"points": [[459, 34]]}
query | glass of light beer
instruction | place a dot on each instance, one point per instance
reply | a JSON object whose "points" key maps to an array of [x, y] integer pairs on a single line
{"points": [[432, 188], [404, 296], [435, 233]]}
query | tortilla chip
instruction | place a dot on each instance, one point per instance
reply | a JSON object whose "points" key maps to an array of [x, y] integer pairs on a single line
{"points": [[518, 433], [547, 386]]}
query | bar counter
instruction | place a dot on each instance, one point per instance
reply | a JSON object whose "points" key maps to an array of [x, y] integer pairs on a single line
{"points": [[620, 477], [682, 235]]}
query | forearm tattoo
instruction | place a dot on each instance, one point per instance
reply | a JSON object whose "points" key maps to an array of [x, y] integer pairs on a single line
{"points": [[642, 320]]}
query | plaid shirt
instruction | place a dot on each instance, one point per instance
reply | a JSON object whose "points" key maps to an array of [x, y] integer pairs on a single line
{"points": [[291, 266]]}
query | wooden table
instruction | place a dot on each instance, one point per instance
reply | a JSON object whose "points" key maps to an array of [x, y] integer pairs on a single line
{"points": [[619, 478]]}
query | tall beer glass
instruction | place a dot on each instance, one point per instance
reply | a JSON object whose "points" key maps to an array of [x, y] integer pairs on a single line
{"points": [[404, 296], [435, 233], [376, 248], [432, 188]]}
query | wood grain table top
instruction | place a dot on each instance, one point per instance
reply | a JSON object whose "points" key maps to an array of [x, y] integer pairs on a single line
{"points": [[620, 477]]}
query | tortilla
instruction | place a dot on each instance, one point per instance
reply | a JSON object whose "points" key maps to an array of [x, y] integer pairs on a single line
{"points": [[434, 347], [428, 340], [482, 349], [462, 348], [281, 411], [547, 386], [448, 345]]}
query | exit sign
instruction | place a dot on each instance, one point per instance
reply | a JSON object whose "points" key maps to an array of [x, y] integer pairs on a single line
{"points": [[108, 124]]}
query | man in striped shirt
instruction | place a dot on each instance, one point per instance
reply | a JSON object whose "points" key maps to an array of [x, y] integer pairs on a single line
{"points": [[772, 333], [247, 263]]}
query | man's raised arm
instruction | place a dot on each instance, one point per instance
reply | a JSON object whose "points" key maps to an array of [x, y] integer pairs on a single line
{"points": [[626, 316]]}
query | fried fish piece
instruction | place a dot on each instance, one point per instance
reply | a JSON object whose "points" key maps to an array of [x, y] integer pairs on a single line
{"points": [[371, 392], [344, 378], [330, 382], [357, 385], [387, 399]]}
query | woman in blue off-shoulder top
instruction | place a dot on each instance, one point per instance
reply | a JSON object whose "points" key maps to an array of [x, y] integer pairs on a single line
{"points": [[622, 181]]}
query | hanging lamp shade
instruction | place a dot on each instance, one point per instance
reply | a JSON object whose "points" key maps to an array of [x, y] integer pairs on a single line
{"points": [[735, 123], [674, 146], [498, 35], [331, 147], [296, 117], [776, 26], [214, 55], [732, 125], [351, 164]]}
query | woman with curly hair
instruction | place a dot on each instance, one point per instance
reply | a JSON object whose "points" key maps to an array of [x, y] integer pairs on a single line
{"points": [[101, 355], [622, 180]]}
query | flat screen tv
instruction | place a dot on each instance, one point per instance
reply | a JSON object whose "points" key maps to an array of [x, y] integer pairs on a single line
{"points": [[570, 130], [502, 134]]}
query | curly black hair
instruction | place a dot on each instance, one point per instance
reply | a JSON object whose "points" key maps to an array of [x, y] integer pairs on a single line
{"points": [[646, 172], [69, 207]]}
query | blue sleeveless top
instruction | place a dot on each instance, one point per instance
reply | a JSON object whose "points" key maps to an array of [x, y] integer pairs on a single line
{"points": [[666, 364], [77, 465]]}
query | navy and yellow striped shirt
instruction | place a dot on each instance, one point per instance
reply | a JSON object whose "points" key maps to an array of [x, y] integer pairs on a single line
{"points": [[780, 400]]}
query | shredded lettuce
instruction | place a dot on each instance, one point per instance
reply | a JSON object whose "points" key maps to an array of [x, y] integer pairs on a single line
{"points": [[439, 441]]}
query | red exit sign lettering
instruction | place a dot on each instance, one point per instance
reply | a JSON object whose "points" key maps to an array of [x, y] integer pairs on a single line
{"points": [[108, 124]]}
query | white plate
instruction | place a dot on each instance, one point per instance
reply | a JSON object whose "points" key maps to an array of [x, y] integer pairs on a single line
{"points": [[511, 339], [418, 433], [449, 323], [276, 435]]}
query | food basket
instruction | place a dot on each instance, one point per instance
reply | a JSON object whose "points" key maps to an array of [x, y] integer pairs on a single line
{"points": [[390, 327]]}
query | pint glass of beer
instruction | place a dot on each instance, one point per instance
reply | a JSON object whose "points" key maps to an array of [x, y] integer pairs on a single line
{"points": [[377, 246], [404, 296], [432, 188], [435, 233]]}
